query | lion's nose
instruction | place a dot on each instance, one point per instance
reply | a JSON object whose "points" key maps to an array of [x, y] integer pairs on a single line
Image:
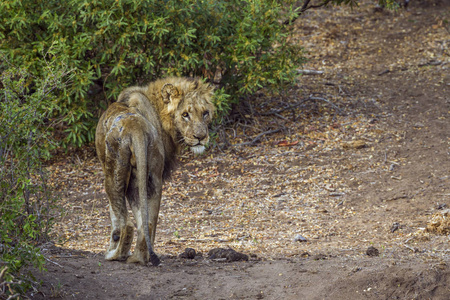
{"points": [[200, 137], [200, 131]]}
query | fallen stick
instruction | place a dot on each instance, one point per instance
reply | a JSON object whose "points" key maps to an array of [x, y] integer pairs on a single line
{"points": [[275, 112], [325, 100], [258, 137], [53, 262], [309, 72]]}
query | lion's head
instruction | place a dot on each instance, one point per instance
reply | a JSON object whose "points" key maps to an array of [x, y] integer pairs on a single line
{"points": [[189, 103]]}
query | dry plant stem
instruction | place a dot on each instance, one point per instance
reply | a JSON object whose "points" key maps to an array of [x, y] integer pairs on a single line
{"points": [[4, 284], [281, 117], [3, 273], [304, 8], [53, 262], [278, 111], [258, 137], [327, 101], [309, 72], [408, 247]]}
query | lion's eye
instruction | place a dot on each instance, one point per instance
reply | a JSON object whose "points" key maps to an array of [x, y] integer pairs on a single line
{"points": [[185, 115], [205, 114]]}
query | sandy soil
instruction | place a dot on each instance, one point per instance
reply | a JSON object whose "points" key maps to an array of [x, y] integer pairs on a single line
{"points": [[348, 199]]}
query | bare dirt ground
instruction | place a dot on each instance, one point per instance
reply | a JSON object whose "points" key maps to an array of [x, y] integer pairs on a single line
{"points": [[348, 199]]}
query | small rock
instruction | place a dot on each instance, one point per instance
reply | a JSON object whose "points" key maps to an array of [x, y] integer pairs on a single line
{"points": [[336, 194], [372, 251], [441, 206], [299, 238], [395, 226], [304, 254], [329, 187], [358, 144], [419, 125], [226, 254], [188, 253], [320, 256]]}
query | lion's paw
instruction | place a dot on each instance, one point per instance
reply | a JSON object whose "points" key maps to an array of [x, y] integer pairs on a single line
{"points": [[115, 255], [133, 259]]}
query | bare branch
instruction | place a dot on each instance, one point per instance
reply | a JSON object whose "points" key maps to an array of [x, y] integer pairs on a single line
{"points": [[304, 8], [327, 101], [278, 111], [309, 72], [258, 137], [53, 262], [275, 112]]}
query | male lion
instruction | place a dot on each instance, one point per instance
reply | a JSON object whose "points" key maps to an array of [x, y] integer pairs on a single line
{"points": [[136, 140]]}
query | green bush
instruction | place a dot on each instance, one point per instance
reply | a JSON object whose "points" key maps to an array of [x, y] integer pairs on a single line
{"points": [[26, 102], [111, 44]]}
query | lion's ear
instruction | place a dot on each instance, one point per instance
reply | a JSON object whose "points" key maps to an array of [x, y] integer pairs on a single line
{"points": [[168, 91]]}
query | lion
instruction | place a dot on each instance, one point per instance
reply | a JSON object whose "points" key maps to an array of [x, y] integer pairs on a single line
{"points": [[137, 139]]}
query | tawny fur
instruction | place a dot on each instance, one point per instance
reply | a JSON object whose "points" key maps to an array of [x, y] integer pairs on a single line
{"points": [[136, 140]]}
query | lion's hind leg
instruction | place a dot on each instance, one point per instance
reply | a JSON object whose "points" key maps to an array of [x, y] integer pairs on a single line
{"points": [[145, 184], [117, 176], [120, 240], [140, 254]]}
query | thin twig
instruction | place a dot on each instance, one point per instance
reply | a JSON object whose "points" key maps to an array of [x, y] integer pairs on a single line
{"points": [[275, 112], [281, 117], [14, 296], [309, 72], [3, 272], [258, 137], [409, 247], [304, 8], [54, 262], [278, 111], [327, 101]]}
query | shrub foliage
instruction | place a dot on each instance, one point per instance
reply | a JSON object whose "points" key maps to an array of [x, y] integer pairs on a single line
{"points": [[26, 102], [111, 44]]}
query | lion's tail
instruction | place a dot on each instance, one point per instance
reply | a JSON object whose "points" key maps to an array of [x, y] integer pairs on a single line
{"points": [[140, 151]]}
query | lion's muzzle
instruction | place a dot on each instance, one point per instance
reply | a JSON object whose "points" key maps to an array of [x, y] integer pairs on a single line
{"points": [[199, 149]]}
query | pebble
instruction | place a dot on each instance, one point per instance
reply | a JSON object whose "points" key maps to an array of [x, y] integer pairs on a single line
{"points": [[357, 144], [299, 238], [372, 251], [188, 253], [395, 226], [220, 254]]}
